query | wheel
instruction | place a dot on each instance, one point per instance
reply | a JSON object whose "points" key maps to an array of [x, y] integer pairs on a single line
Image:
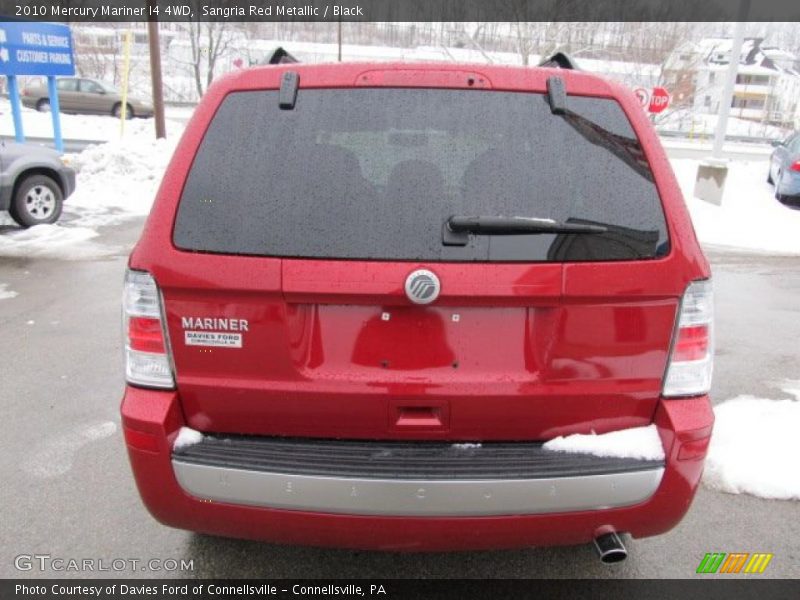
{"points": [[38, 201], [43, 105], [117, 110]]}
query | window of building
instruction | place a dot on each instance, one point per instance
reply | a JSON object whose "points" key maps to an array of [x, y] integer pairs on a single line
{"points": [[752, 103]]}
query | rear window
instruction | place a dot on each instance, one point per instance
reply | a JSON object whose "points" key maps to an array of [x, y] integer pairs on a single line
{"points": [[374, 173]]}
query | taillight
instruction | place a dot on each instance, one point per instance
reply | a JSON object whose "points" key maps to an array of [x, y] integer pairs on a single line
{"points": [[692, 359], [795, 166], [147, 360]]}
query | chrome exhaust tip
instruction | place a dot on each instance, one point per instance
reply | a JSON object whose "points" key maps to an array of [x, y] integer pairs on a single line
{"points": [[610, 548]]}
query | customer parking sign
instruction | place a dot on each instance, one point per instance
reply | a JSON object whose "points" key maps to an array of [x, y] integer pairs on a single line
{"points": [[28, 48], [35, 49]]}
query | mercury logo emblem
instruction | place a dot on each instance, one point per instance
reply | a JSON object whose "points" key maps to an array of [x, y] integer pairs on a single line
{"points": [[422, 286]]}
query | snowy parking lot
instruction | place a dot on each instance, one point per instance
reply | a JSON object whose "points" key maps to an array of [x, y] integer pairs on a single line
{"points": [[59, 291]]}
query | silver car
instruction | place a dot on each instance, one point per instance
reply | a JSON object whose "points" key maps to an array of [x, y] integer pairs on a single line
{"points": [[784, 169], [34, 181], [88, 96]]}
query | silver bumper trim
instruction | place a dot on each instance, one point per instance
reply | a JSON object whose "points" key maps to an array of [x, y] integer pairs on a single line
{"points": [[423, 498]]}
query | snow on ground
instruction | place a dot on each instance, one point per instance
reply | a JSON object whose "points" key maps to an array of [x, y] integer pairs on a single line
{"points": [[755, 446], [5, 293], [86, 127], [642, 443], [118, 179], [64, 242], [749, 218]]}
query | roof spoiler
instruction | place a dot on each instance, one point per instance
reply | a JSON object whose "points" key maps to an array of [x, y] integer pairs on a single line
{"points": [[280, 56], [560, 60]]}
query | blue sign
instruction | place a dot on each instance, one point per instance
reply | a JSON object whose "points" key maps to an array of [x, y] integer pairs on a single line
{"points": [[28, 48]]}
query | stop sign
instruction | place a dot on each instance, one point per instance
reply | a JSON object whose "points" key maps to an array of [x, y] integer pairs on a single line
{"points": [[659, 100]]}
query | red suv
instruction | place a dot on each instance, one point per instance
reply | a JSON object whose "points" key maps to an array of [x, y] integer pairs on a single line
{"points": [[368, 294]]}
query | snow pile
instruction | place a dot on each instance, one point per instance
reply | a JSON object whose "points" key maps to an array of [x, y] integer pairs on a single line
{"points": [[642, 443], [5, 293], [55, 242], [466, 446], [82, 127], [749, 218], [187, 437], [118, 180], [755, 447]]}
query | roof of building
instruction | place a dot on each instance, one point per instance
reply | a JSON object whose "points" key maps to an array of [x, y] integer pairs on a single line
{"points": [[755, 57]]}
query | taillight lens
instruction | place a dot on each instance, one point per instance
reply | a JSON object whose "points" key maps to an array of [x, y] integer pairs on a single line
{"points": [[147, 361], [692, 360], [795, 166]]}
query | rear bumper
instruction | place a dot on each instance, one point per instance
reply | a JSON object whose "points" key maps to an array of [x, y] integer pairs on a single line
{"points": [[408, 479], [67, 176], [450, 515]]}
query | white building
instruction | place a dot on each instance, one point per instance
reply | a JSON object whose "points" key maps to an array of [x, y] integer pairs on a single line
{"points": [[767, 86]]}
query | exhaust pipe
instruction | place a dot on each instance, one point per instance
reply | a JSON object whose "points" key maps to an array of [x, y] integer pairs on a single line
{"points": [[610, 548]]}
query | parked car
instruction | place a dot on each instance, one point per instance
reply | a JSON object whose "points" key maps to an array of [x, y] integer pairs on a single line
{"points": [[81, 95], [784, 169], [368, 294], [34, 181]]}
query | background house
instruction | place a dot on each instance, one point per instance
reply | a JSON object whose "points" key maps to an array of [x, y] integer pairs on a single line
{"points": [[767, 85]]}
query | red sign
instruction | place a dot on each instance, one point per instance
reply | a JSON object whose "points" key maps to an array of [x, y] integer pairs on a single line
{"points": [[659, 100]]}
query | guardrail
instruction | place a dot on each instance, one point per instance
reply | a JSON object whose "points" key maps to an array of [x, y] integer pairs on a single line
{"points": [[745, 139]]}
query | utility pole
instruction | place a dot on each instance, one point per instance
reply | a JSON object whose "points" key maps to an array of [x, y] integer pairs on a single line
{"points": [[155, 74], [730, 82], [339, 36], [712, 172]]}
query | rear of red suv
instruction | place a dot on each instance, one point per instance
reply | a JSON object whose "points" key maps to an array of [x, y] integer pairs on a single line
{"points": [[368, 295]]}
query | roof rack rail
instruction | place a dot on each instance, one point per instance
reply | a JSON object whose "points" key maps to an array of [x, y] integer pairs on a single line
{"points": [[280, 56], [561, 60]]}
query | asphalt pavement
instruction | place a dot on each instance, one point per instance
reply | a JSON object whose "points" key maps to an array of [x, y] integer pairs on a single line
{"points": [[68, 492]]}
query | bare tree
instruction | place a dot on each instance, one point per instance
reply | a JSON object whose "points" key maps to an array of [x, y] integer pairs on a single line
{"points": [[209, 42]]}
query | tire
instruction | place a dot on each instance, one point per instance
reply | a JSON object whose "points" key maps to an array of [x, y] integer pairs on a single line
{"points": [[769, 177], [38, 201], [115, 112], [43, 105]]}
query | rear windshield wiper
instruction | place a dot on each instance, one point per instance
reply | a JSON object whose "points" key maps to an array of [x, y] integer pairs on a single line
{"points": [[456, 229]]}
